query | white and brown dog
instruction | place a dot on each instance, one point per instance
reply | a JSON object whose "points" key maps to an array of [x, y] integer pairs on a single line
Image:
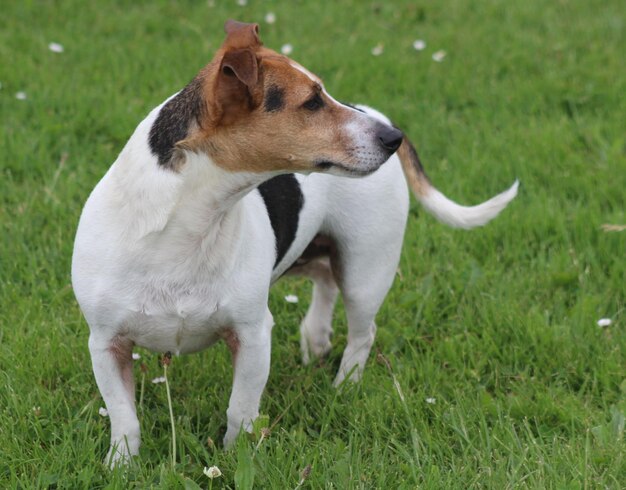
{"points": [[232, 182]]}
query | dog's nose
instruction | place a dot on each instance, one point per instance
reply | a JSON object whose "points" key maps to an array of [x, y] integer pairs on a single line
{"points": [[390, 138]]}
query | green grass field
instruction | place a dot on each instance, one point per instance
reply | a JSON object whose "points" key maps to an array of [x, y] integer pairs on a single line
{"points": [[498, 325]]}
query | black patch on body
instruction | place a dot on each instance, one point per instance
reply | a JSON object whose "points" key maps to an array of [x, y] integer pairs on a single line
{"points": [[283, 200], [274, 99], [173, 122]]}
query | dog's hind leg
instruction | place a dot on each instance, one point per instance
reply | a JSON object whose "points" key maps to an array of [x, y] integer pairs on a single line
{"points": [[365, 267], [364, 286], [316, 328], [113, 368]]}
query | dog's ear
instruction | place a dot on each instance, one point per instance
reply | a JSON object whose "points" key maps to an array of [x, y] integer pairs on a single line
{"points": [[238, 73], [237, 88], [243, 65], [232, 85], [240, 35]]}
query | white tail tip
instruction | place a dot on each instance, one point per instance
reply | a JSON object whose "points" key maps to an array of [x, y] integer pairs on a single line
{"points": [[466, 217]]}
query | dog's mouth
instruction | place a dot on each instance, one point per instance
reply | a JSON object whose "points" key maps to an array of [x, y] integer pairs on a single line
{"points": [[341, 168]]}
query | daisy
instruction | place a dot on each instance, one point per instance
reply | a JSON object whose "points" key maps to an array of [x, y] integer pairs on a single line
{"points": [[438, 56], [55, 47], [419, 44], [378, 50], [212, 472]]}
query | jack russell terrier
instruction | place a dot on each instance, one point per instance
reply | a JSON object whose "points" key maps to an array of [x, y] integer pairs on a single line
{"points": [[231, 183]]}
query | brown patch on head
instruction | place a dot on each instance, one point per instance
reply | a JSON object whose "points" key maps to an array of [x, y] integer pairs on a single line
{"points": [[241, 35], [240, 135], [242, 64], [238, 73]]}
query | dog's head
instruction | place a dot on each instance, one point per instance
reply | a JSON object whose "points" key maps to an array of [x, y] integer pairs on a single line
{"points": [[263, 112]]}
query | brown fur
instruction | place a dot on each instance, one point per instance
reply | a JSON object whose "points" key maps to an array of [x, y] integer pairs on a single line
{"points": [[413, 170], [232, 341], [122, 352], [239, 135]]}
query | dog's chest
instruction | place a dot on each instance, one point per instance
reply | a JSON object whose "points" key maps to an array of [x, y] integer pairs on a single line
{"points": [[178, 319]]}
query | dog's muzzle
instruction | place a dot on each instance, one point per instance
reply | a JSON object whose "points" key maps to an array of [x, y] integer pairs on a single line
{"points": [[389, 138]]}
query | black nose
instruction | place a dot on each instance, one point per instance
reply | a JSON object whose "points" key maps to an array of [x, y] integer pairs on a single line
{"points": [[389, 137]]}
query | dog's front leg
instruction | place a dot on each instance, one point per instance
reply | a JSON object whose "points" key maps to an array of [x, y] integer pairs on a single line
{"points": [[250, 346], [113, 367]]}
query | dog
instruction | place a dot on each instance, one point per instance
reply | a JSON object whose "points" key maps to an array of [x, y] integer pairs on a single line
{"points": [[231, 183]]}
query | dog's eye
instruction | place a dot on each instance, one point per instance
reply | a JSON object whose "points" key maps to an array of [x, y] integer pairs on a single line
{"points": [[314, 103]]}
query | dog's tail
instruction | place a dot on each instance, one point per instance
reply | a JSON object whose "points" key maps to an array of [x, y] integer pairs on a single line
{"points": [[444, 209]]}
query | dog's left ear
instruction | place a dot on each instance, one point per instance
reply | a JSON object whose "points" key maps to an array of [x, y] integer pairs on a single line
{"points": [[237, 90], [243, 65], [236, 83], [231, 81], [241, 35]]}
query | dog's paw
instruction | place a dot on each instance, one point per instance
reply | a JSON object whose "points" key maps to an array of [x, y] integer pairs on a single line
{"points": [[235, 428], [229, 439], [121, 452], [352, 375], [117, 458], [314, 341]]}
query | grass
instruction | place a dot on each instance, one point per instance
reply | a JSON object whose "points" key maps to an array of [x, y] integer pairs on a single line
{"points": [[498, 325]]}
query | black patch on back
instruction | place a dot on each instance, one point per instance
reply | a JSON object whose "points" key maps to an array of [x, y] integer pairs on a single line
{"points": [[353, 107], [274, 99], [283, 200], [172, 123]]}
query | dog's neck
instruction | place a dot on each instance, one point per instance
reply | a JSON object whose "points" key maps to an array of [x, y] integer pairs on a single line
{"points": [[209, 209], [200, 201]]}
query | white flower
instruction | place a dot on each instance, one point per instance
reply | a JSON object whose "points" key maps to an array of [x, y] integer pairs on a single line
{"points": [[55, 47], [286, 49], [291, 298], [270, 17], [419, 44], [242, 3], [431, 401], [20, 95], [378, 49], [438, 56], [160, 379], [212, 472], [103, 412], [604, 322], [136, 356]]}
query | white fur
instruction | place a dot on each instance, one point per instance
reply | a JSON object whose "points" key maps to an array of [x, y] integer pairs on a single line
{"points": [[168, 260], [466, 217]]}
